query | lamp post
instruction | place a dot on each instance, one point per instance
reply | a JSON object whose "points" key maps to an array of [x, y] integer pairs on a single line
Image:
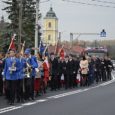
{"points": [[71, 39], [20, 24]]}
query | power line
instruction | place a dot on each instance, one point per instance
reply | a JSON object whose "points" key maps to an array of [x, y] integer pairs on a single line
{"points": [[84, 3], [104, 1]]}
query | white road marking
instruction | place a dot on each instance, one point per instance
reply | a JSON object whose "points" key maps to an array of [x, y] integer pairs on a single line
{"points": [[11, 108], [29, 103], [41, 100], [6, 108]]}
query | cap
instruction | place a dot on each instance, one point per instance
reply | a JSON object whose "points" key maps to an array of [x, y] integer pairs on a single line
{"points": [[27, 51]]}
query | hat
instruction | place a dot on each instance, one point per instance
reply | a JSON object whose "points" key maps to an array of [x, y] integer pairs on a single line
{"points": [[27, 51]]}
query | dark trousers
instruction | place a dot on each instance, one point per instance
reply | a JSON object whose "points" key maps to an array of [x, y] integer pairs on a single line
{"points": [[53, 82], [1, 85], [83, 80], [11, 90], [96, 74], [74, 81], [59, 81], [20, 94], [108, 74], [70, 81], [66, 80], [29, 88], [103, 73]]}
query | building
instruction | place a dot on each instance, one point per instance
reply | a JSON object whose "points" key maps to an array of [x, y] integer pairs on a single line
{"points": [[50, 28]]}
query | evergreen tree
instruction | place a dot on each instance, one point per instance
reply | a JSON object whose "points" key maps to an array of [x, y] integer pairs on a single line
{"points": [[28, 19]]}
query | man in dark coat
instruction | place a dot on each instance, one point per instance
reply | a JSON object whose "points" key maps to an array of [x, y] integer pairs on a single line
{"points": [[109, 67], [66, 72], [103, 69], [61, 64], [76, 68], [53, 71], [72, 71]]}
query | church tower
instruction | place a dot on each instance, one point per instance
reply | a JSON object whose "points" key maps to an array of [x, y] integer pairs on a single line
{"points": [[50, 28]]}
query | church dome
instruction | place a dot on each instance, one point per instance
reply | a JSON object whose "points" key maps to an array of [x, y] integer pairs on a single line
{"points": [[51, 13]]}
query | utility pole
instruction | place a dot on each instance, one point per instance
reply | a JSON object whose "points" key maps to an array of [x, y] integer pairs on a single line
{"points": [[20, 25], [36, 26], [71, 40], [60, 37]]}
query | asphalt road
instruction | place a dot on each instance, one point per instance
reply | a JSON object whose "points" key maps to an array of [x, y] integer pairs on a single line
{"points": [[95, 100]]}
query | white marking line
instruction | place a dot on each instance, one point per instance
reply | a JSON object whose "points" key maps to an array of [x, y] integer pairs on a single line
{"points": [[7, 109], [41, 100], [4, 110], [65, 94], [29, 103], [81, 90]]}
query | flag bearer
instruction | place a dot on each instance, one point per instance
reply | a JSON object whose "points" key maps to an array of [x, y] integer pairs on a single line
{"points": [[11, 70]]}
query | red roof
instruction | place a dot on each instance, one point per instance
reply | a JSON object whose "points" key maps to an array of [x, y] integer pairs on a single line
{"points": [[67, 49]]}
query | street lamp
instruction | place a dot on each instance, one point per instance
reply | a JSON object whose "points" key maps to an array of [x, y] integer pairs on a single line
{"points": [[20, 24]]}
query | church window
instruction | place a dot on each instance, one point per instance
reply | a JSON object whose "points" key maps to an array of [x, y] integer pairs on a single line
{"points": [[49, 37], [49, 25]]}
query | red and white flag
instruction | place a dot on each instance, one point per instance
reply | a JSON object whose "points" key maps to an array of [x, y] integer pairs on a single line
{"points": [[12, 44]]}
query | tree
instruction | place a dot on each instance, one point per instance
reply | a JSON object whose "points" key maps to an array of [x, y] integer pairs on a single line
{"points": [[28, 19]]}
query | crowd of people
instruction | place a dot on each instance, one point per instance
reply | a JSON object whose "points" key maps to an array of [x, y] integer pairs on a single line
{"points": [[24, 77]]}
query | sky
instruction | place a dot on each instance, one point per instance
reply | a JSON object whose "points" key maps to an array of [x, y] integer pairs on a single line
{"points": [[75, 17]]}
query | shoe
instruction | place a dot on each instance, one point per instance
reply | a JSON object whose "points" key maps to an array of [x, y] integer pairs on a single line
{"points": [[11, 103], [22, 101], [32, 98], [18, 101]]}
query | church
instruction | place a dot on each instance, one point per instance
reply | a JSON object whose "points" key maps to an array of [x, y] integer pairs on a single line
{"points": [[50, 28]]}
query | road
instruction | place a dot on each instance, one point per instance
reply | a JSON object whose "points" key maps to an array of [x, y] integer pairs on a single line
{"points": [[94, 100]]}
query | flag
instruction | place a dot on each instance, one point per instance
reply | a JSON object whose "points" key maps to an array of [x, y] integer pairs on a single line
{"points": [[61, 52], [12, 44], [41, 48]]}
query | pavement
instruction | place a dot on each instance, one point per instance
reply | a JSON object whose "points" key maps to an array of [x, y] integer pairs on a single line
{"points": [[94, 100]]}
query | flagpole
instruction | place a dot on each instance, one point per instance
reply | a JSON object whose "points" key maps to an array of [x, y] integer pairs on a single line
{"points": [[20, 24], [45, 50], [36, 26]]}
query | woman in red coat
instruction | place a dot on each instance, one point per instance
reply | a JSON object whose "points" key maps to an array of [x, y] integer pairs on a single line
{"points": [[46, 71]]}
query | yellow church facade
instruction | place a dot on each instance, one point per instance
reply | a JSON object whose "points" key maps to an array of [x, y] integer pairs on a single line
{"points": [[50, 28]]}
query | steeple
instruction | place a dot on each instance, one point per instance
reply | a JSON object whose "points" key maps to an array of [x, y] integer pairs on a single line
{"points": [[50, 34], [50, 13]]}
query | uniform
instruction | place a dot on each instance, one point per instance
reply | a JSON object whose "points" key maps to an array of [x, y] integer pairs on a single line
{"points": [[29, 82], [20, 80], [11, 76]]}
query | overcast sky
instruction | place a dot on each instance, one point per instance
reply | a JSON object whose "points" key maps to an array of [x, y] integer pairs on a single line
{"points": [[75, 17]]}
